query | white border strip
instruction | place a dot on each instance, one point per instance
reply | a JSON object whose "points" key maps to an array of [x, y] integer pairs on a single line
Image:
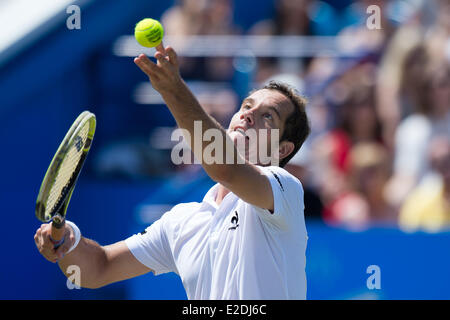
{"points": [[242, 46]]}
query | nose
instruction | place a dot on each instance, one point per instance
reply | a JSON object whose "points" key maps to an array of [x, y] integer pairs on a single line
{"points": [[248, 116]]}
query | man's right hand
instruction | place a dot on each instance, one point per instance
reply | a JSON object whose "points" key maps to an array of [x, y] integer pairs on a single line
{"points": [[164, 75], [45, 245]]}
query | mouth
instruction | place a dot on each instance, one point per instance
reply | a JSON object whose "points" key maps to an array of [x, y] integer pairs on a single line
{"points": [[241, 130]]}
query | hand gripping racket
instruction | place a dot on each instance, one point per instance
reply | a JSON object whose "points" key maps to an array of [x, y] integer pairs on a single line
{"points": [[61, 176]]}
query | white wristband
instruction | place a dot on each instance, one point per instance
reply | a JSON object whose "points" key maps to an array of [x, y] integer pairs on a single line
{"points": [[77, 233]]}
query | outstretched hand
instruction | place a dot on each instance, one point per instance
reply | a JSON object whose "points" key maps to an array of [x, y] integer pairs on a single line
{"points": [[164, 75]]}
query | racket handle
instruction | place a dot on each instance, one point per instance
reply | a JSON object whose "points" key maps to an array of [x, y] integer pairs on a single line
{"points": [[57, 233]]}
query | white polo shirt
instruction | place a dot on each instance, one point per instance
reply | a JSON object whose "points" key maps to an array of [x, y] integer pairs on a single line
{"points": [[234, 250]]}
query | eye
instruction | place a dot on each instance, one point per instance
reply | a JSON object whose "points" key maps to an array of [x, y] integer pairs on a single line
{"points": [[246, 107], [267, 116]]}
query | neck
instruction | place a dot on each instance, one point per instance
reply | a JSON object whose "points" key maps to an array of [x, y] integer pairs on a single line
{"points": [[221, 193]]}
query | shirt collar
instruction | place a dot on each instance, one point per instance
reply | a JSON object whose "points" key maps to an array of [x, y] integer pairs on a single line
{"points": [[210, 197]]}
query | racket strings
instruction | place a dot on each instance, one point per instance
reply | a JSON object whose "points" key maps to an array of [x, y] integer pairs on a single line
{"points": [[67, 172]]}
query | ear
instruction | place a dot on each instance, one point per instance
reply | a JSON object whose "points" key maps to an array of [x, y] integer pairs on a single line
{"points": [[285, 149]]}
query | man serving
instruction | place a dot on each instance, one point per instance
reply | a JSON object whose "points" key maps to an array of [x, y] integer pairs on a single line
{"points": [[247, 238]]}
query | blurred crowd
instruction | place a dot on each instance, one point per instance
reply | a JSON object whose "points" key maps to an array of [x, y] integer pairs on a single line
{"points": [[379, 151]]}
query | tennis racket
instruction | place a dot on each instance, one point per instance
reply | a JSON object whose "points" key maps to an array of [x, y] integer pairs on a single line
{"points": [[62, 174]]}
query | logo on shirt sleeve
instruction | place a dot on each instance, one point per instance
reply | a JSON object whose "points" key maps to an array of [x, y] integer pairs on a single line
{"points": [[278, 179], [234, 221]]}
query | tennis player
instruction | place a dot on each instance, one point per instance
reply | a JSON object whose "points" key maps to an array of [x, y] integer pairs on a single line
{"points": [[246, 239]]}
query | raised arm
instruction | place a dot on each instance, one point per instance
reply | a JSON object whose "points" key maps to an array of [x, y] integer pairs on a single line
{"points": [[241, 177], [185, 108], [99, 265]]}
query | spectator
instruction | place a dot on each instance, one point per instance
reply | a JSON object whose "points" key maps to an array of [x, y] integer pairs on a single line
{"points": [[290, 18], [425, 32], [204, 17], [438, 35], [428, 205], [390, 106], [343, 207], [357, 201], [429, 94], [356, 36], [356, 119], [186, 17], [343, 182], [370, 170]]}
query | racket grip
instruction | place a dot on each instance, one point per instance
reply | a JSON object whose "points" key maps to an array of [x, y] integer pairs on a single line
{"points": [[57, 233]]}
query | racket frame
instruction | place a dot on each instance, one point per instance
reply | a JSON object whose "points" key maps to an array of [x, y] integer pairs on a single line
{"points": [[59, 212]]}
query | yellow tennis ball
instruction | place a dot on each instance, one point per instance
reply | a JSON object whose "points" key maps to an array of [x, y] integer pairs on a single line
{"points": [[148, 32]]}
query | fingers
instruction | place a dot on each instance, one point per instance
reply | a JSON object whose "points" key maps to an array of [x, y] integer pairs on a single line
{"points": [[160, 48], [169, 54], [162, 54], [144, 63], [162, 58], [37, 238], [42, 238], [44, 244], [164, 74], [172, 55]]}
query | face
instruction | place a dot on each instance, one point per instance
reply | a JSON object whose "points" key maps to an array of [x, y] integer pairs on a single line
{"points": [[264, 109]]}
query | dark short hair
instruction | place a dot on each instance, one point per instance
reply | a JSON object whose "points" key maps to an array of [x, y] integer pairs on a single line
{"points": [[297, 127]]}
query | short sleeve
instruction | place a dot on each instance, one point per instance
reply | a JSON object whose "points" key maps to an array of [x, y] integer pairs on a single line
{"points": [[288, 198], [151, 247]]}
